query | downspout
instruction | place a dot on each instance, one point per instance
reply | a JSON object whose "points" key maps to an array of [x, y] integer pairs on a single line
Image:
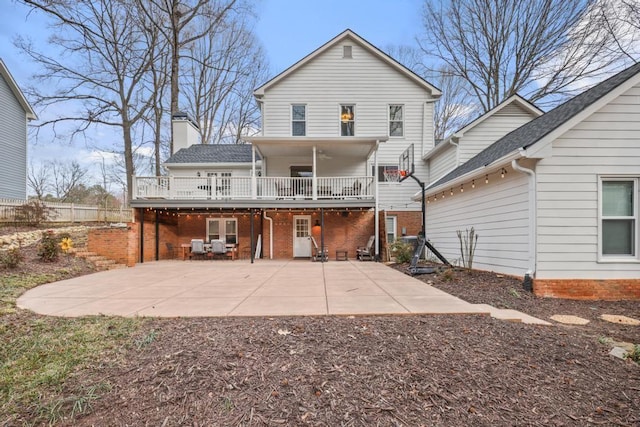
{"points": [[264, 215], [533, 221]]}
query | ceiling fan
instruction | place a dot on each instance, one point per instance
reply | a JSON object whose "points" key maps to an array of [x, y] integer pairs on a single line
{"points": [[323, 156]]}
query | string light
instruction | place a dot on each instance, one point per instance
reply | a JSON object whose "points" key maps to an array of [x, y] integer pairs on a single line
{"points": [[451, 191], [486, 179], [473, 183], [462, 188], [502, 173]]}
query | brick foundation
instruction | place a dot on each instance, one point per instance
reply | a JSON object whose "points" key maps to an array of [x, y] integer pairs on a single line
{"points": [[584, 289], [119, 244]]}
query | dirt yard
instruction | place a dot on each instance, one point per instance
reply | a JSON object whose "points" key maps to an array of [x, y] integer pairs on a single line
{"points": [[363, 371], [388, 371]]}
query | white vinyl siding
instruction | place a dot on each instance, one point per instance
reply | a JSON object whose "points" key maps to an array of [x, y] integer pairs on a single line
{"points": [[491, 129], [499, 213], [371, 85], [442, 163], [606, 144], [13, 145]]}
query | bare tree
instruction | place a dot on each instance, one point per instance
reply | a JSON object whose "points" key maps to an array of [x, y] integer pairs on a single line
{"points": [[454, 108], [621, 18], [98, 58], [537, 48], [177, 22], [67, 178], [224, 67], [38, 179]]}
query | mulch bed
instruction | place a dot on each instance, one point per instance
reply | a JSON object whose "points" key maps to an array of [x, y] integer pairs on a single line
{"points": [[364, 371]]}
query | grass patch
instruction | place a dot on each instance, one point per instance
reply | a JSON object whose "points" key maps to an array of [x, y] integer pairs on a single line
{"points": [[40, 354]]}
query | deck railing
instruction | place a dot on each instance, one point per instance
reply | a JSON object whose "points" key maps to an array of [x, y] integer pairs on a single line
{"points": [[246, 187]]}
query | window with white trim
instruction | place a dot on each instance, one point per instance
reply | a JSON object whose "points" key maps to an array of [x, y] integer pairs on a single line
{"points": [[396, 120], [347, 120], [222, 229], [618, 218], [298, 120], [391, 225]]}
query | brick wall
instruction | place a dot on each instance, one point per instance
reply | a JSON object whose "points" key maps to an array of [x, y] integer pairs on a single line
{"points": [[342, 231], [581, 289], [118, 244], [410, 220]]}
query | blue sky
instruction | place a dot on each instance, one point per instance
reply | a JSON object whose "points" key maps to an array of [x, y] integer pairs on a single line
{"points": [[288, 30]]}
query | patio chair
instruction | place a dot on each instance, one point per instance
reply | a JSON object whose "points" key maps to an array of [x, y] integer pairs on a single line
{"points": [[218, 248], [171, 250], [282, 191], [319, 255], [367, 252], [354, 190], [197, 249]]}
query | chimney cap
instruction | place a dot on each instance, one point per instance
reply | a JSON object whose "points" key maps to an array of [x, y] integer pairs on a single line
{"points": [[181, 115]]}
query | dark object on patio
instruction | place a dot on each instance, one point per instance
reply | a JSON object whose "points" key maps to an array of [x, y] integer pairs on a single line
{"points": [[413, 267], [171, 250], [197, 249], [367, 252], [319, 255]]}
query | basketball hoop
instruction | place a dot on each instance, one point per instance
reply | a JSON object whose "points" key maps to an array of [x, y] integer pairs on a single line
{"points": [[391, 175]]}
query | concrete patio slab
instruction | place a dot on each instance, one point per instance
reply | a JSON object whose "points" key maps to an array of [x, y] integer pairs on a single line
{"points": [[239, 288]]}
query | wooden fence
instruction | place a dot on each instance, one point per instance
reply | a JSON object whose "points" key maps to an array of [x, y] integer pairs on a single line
{"points": [[12, 211]]}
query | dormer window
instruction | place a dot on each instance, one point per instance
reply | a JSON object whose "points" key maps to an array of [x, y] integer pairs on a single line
{"points": [[347, 51], [347, 120], [298, 120]]}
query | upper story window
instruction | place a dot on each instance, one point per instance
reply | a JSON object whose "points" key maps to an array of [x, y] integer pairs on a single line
{"points": [[396, 120], [619, 218], [298, 120], [347, 51], [347, 120]]}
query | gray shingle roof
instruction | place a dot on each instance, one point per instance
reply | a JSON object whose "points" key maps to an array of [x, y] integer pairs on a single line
{"points": [[213, 153], [531, 132]]}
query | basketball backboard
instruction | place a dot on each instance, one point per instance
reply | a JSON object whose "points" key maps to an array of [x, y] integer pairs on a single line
{"points": [[406, 166]]}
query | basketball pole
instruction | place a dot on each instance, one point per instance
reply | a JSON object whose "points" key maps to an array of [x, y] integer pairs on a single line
{"points": [[424, 206]]}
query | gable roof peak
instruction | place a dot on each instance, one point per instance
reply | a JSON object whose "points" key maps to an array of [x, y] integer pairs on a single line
{"points": [[348, 33], [15, 89]]}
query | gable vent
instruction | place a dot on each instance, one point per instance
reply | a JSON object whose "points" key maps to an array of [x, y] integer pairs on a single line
{"points": [[346, 51]]}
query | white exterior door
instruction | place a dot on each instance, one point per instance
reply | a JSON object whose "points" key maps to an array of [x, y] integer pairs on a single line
{"points": [[301, 233]]}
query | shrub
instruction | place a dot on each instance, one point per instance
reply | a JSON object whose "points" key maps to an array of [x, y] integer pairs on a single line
{"points": [[34, 212], [11, 258], [634, 354], [48, 248], [468, 243], [403, 252]]}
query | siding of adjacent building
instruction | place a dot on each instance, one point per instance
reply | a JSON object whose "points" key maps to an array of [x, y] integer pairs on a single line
{"points": [[371, 85], [490, 130], [13, 145], [606, 143], [499, 213], [443, 162]]}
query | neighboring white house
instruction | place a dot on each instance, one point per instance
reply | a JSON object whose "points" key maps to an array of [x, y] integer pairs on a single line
{"points": [[556, 198], [333, 127], [477, 135], [15, 113]]}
